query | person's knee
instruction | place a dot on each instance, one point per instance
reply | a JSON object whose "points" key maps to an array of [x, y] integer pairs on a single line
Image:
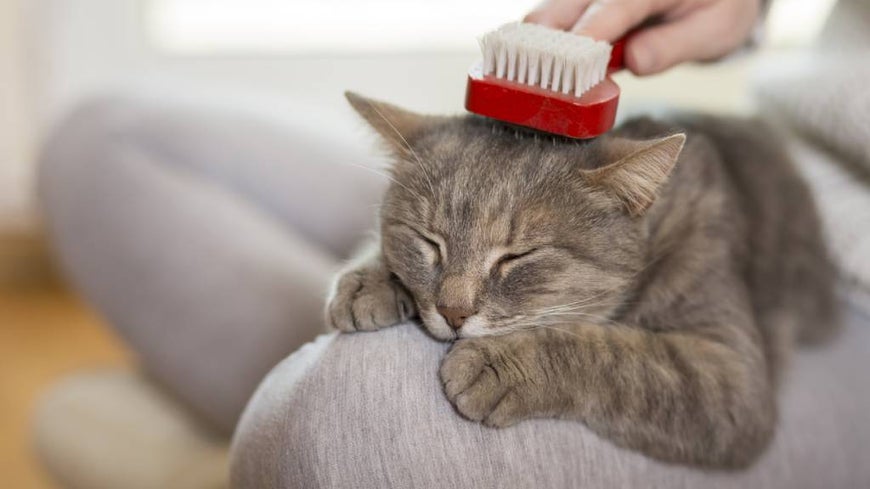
{"points": [[362, 397], [98, 118], [265, 436], [106, 114], [79, 143]]}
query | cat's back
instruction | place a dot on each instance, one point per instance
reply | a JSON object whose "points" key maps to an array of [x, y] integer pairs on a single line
{"points": [[774, 229], [749, 154]]}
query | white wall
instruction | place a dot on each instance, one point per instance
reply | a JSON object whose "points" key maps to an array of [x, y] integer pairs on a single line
{"points": [[16, 119], [95, 45], [89, 47]]}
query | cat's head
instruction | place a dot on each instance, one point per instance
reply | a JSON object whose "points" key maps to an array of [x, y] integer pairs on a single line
{"points": [[494, 231]]}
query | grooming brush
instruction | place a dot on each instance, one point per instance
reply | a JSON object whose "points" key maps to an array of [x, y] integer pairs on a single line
{"points": [[546, 79]]}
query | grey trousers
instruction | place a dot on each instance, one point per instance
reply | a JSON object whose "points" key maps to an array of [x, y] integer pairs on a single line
{"points": [[206, 237], [366, 411]]}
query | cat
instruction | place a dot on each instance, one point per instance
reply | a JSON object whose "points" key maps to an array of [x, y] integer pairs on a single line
{"points": [[649, 283]]}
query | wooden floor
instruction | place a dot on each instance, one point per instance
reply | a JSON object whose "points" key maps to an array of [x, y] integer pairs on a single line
{"points": [[45, 334]]}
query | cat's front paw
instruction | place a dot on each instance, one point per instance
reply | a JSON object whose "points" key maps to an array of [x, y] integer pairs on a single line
{"points": [[488, 381], [368, 300]]}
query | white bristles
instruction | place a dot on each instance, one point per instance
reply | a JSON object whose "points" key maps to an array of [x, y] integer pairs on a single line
{"points": [[552, 59]]}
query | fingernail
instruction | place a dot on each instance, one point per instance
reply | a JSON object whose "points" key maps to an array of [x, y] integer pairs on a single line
{"points": [[588, 16], [581, 24], [540, 17]]}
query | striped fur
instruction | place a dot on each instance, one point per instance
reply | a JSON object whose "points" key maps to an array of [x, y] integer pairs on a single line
{"points": [[648, 288]]}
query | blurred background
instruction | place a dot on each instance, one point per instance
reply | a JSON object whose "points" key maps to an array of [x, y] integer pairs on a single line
{"points": [[293, 56]]}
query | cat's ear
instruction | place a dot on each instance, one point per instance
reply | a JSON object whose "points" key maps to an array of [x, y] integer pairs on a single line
{"points": [[396, 125], [639, 170]]}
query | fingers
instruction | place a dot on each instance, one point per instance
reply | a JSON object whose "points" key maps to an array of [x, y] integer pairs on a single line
{"points": [[703, 35], [559, 14], [659, 48], [608, 20], [693, 30]]}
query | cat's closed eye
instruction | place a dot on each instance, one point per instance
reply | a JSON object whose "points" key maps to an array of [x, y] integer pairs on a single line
{"points": [[432, 249], [508, 260]]}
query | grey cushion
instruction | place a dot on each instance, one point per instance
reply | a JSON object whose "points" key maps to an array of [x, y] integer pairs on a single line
{"points": [[843, 202], [826, 98], [367, 411], [824, 93], [823, 96]]}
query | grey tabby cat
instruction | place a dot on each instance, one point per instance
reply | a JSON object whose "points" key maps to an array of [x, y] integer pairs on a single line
{"points": [[649, 283]]}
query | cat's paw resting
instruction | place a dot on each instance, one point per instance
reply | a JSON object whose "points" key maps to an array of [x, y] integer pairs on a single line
{"points": [[368, 299], [492, 381]]}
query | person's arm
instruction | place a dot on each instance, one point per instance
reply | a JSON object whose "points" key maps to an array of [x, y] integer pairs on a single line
{"points": [[685, 30]]}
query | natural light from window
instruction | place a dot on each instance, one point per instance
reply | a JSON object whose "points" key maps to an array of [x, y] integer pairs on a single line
{"points": [[364, 26], [227, 26]]}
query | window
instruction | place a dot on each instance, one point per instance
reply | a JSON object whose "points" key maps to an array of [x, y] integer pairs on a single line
{"points": [[360, 26], [257, 26], [794, 23]]}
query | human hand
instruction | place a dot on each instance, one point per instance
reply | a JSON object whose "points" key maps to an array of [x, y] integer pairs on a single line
{"points": [[686, 30]]}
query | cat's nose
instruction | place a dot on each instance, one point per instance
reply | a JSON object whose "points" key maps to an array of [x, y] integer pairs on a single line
{"points": [[455, 316]]}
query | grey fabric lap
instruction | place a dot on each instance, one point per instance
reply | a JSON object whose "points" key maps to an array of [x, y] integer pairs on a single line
{"points": [[368, 412], [202, 272]]}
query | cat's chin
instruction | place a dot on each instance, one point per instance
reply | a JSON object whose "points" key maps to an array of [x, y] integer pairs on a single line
{"points": [[436, 326]]}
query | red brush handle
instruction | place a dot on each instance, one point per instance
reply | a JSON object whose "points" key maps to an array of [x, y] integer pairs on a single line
{"points": [[583, 117], [587, 116], [617, 55]]}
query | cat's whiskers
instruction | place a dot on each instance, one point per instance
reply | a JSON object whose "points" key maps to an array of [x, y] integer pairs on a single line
{"points": [[387, 176], [566, 331], [534, 325], [590, 299], [408, 147], [596, 317], [586, 300], [580, 304], [579, 309]]}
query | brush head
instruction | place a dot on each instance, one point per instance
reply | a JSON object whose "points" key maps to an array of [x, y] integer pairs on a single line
{"points": [[546, 79], [535, 55]]}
